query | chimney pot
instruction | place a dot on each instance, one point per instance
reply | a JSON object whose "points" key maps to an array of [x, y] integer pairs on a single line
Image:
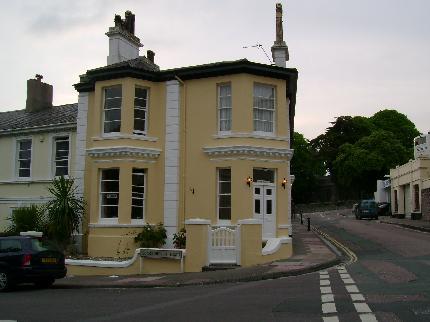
{"points": [[150, 55]]}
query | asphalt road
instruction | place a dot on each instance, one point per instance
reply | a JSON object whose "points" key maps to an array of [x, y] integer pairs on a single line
{"points": [[389, 282]]}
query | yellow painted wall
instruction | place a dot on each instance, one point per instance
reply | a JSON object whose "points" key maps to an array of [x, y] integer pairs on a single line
{"points": [[200, 185], [197, 241], [117, 242]]}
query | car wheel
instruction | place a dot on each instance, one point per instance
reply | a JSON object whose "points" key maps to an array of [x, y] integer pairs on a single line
{"points": [[5, 283], [44, 283]]}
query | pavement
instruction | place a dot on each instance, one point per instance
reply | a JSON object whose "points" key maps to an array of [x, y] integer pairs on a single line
{"points": [[311, 252], [421, 225]]}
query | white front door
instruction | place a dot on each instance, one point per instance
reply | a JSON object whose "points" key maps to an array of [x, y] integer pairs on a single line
{"points": [[264, 208]]}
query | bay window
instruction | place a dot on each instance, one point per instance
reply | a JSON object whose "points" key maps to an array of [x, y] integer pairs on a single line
{"points": [[138, 195], [109, 193], [264, 108], [224, 108], [112, 109], [140, 110]]}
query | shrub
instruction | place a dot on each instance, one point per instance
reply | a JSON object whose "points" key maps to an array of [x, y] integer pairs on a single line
{"points": [[64, 211], [180, 239], [151, 236], [26, 219]]}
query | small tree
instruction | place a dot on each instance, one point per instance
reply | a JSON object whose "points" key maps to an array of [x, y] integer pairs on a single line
{"points": [[180, 239], [26, 219], [64, 211]]}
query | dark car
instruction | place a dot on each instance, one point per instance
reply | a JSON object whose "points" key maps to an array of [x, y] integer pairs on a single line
{"points": [[26, 259], [384, 209], [367, 209]]}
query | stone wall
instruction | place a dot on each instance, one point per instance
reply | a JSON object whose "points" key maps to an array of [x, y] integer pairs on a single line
{"points": [[425, 203]]}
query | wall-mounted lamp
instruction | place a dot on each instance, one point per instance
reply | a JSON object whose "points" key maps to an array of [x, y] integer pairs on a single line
{"points": [[284, 183], [249, 181]]}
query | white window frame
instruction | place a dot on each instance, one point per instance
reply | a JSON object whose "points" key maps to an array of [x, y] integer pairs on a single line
{"points": [[17, 164], [223, 221], [264, 133], [54, 150], [219, 108], [108, 220], [146, 109], [145, 173], [104, 110]]}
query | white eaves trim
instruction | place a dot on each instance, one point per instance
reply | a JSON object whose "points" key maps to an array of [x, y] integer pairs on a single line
{"points": [[123, 151], [249, 150]]}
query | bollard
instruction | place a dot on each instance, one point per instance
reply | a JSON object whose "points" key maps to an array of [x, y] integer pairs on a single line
{"points": [[309, 224], [301, 219]]}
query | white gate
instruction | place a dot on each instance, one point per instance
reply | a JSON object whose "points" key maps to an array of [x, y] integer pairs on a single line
{"points": [[223, 245]]}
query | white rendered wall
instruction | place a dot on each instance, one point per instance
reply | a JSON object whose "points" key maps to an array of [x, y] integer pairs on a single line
{"points": [[120, 49], [171, 165]]}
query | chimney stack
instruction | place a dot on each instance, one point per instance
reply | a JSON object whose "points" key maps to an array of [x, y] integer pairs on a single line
{"points": [[123, 44], [39, 95], [150, 55], [280, 53]]}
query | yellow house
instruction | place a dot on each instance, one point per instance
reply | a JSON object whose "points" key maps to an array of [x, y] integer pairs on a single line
{"points": [[205, 145], [206, 148]]}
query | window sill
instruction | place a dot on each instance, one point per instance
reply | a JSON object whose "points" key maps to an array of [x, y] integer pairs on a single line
{"points": [[118, 136], [250, 135]]}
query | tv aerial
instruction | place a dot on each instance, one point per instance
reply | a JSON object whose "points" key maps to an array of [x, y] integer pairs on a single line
{"points": [[260, 46]]}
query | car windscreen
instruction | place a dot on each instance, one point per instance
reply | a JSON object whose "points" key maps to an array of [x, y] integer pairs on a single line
{"points": [[368, 204], [40, 245]]}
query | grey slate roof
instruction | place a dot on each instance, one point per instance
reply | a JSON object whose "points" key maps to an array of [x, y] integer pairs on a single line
{"points": [[140, 62], [22, 120]]}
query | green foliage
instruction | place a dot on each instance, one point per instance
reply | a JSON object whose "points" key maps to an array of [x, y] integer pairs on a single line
{"points": [[306, 167], [151, 236], [359, 165], [180, 239], [64, 211], [346, 129], [26, 219], [357, 151], [398, 124]]}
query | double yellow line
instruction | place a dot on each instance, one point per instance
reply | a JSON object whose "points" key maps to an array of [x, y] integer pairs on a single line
{"points": [[352, 258]]}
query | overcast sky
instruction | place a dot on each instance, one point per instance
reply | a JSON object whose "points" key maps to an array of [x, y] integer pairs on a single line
{"points": [[354, 57]]}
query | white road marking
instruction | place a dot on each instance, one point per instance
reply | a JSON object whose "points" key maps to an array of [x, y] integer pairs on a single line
{"points": [[324, 282], [330, 319], [326, 290], [327, 298], [369, 317], [362, 308], [345, 275], [348, 280], [352, 289], [357, 297], [329, 308]]}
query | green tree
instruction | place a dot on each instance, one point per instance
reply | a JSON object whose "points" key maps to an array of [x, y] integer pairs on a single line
{"points": [[359, 165], [26, 219], [345, 129], [64, 211], [398, 124], [306, 167]]}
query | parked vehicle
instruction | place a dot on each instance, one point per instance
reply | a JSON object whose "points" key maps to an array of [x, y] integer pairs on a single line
{"points": [[384, 209], [367, 209], [27, 259]]}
